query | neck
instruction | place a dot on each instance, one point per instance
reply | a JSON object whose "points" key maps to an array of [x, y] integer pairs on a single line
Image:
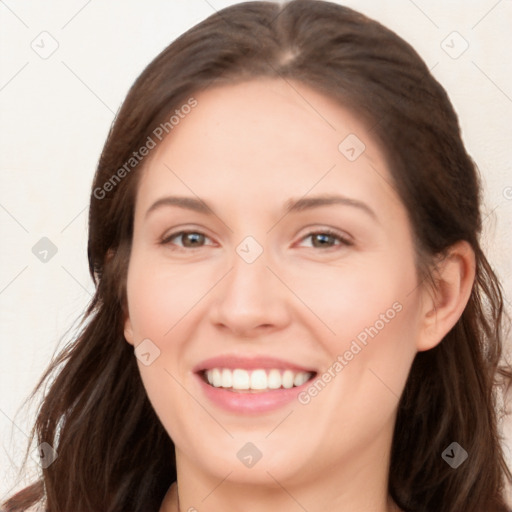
{"points": [[345, 488]]}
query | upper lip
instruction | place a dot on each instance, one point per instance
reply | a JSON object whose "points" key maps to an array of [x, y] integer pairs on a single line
{"points": [[249, 363]]}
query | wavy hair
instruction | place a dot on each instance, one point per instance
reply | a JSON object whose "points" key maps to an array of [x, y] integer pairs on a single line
{"points": [[113, 453]]}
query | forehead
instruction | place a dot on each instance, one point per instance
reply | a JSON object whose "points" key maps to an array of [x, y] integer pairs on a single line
{"points": [[266, 138]]}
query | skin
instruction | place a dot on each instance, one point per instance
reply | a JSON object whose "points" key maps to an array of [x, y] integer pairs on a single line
{"points": [[244, 150]]}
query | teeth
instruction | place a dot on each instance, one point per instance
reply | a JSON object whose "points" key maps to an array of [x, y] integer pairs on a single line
{"points": [[241, 379], [288, 379], [274, 379], [227, 378], [216, 377], [300, 378], [259, 379]]}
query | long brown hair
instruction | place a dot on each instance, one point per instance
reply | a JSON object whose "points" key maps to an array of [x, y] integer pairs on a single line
{"points": [[113, 453]]}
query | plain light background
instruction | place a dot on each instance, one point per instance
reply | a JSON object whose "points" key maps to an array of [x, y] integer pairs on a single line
{"points": [[56, 111]]}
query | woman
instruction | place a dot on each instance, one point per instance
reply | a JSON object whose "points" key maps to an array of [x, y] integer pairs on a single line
{"points": [[292, 307]]}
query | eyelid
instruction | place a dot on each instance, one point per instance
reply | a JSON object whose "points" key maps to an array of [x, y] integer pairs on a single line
{"points": [[344, 239], [166, 238]]}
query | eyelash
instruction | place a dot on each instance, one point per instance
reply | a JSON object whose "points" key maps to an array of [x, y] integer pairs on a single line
{"points": [[344, 240]]}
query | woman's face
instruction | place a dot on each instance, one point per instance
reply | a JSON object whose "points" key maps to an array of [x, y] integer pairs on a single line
{"points": [[259, 297]]}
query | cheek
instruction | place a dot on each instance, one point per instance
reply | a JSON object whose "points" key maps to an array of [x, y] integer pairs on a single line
{"points": [[160, 296], [365, 293], [370, 307], [373, 314], [158, 300]]}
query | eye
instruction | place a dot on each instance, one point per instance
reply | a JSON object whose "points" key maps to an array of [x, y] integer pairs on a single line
{"points": [[190, 239], [326, 237]]}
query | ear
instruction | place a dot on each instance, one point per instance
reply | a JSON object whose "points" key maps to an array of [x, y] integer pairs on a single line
{"points": [[128, 331], [444, 303]]}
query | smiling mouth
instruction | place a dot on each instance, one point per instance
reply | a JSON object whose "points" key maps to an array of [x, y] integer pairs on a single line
{"points": [[255, 381]]}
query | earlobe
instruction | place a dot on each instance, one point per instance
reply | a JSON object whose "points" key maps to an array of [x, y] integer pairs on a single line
{"points": [[128, 331], [454, 276]]}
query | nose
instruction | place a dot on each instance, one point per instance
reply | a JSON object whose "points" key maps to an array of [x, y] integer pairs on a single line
{"points": [[250, 300]]}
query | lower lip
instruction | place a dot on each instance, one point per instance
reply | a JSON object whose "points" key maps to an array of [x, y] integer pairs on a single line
{"points": [[250, 403]]}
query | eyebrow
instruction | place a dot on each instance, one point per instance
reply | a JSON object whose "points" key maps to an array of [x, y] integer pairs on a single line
{"points": [[290, 206]]}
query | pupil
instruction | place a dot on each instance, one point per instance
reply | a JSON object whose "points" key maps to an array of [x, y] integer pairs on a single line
{"points": [[322, 238], [193, 237]]}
